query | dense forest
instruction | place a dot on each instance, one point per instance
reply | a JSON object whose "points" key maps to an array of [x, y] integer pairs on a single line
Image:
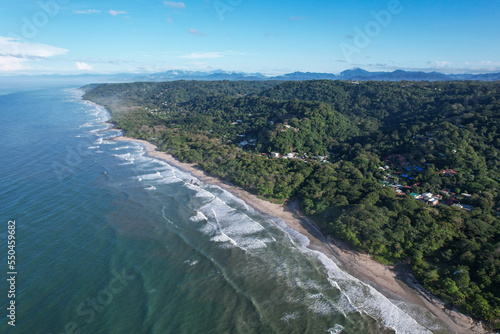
{"points": [[406, 171]]}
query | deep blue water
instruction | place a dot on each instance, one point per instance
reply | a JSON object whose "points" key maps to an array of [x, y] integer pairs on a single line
{"points": [[109, 240]]}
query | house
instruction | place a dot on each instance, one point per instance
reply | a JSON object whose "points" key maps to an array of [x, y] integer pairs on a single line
{"points": [[275, 155], [445, 191], [447, 172], [291, 155], [433, 201], [427, 195], [467, 207]]}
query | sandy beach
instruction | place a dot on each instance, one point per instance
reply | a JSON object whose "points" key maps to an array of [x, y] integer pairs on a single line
{"points": [[394, 282]]}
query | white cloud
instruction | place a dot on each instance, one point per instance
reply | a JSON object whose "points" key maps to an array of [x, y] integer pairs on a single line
{"points": [[439, 64], [446, 68], [195, 32], [203, 55], [116, 12], [210, 55], [9, 63], [174, 4], [83, 66], [482, 63], [14, 47], [15, 55], [87, 11]]}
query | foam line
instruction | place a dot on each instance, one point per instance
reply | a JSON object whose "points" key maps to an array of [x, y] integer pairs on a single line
{"points": [[224, 234], [168, 220], [199, 217], [375, 304]]}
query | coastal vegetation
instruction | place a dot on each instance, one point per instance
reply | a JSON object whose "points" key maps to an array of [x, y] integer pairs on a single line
{"points": [[362, 158]]}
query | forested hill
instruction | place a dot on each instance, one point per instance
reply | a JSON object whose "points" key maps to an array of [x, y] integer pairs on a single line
{"points": [[407, 171], [155, 94]]}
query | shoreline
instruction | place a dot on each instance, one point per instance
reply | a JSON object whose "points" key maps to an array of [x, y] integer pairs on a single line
{"points": [[395, 282]]}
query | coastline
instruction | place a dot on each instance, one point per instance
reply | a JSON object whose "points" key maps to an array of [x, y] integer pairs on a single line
{"points": [[396, 283]]}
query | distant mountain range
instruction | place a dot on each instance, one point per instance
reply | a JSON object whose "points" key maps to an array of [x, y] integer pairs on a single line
{"points": [[356, 74]]}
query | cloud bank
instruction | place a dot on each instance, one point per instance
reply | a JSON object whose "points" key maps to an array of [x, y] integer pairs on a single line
{"points": [[116, 12], [87, 11], [174, 4], [14, 54], [83, 66], [195, 32]]}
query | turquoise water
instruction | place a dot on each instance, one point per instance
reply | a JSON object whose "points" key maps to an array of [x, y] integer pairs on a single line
{"points": [[112, 241]]}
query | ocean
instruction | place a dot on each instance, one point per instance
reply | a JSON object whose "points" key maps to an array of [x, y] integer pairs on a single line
{"points": [[109, 240]]}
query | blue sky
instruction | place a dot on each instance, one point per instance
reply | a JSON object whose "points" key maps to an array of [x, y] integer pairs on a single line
{"points": [[271, 37]]}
